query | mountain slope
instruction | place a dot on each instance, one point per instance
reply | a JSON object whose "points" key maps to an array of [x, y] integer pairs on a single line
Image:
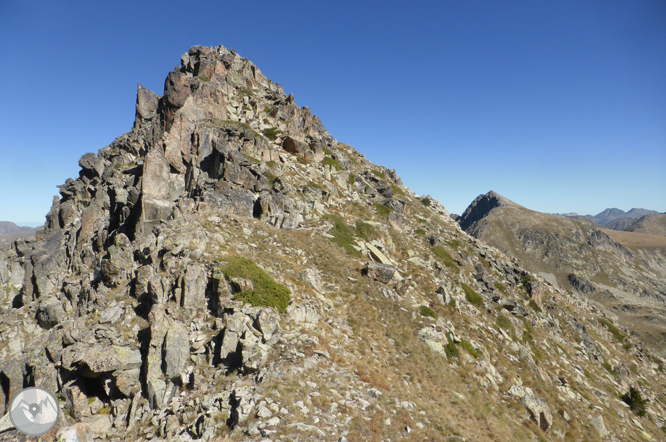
{"points": [[628, 281], [227, 270]]}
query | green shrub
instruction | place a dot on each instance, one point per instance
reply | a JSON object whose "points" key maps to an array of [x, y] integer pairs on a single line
{"points": [[343, 235], [204, 79], [364, 230], [397, 190], [331, 162], [328, 152], [525, 279], [453, 303], [271, 133], [444, 255], [474, 298], [450, 349], [427, 311], [608, 367], [528, 326], [351, 180], [301, 160], [422, 221], [505, 323], [378, 174], [426, 202], [266, 292], [382, 210], [271, 163], [635, 401], [419, 231], [499, 286], [612, 329], [469, 348]]}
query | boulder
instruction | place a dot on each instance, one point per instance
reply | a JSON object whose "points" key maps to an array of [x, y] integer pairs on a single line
{"points": [[194, 287], [268, 322], [146, 104], [598, 424], [380, 272], [79, 432], [176, 351], [91, 165], [294, 146], [50, 312], [312, 278], [539, 411]]}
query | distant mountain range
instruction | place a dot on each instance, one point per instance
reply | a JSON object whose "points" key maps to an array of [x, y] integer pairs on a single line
{"points": [[10, 231], [617, 219]]}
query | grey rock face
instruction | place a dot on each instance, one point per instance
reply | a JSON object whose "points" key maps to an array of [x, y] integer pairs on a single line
{"points": [[580, 284]]}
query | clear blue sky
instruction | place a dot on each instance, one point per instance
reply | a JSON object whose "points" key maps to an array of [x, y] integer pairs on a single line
{"points": [[559, 106]]}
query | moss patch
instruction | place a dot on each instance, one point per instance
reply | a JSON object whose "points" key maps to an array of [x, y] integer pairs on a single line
{"points": [[271, 133], [505, 323], [469, 348], [378, 174], [331, 162], [266, 292], [397, 190], [382, 210], [427, 311], [614, 330], [473, 297], [365, 230], [343, 235], [444, 255]]}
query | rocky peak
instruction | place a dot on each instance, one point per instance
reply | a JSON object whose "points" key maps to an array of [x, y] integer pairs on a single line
{"points": [[481, 206]]}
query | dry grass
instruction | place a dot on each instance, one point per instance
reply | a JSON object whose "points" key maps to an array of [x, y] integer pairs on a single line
{"points": [[635, 240]]}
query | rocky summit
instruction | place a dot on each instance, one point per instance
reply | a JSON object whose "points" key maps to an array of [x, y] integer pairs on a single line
{"points": [[228, 271]]}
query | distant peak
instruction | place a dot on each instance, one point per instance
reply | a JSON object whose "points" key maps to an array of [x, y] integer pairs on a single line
{"points": [[481, 206]]}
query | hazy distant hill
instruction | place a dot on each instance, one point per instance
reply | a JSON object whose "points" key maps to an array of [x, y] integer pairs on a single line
{"points": [[653, 224], [9, 228], [10, 231]]}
